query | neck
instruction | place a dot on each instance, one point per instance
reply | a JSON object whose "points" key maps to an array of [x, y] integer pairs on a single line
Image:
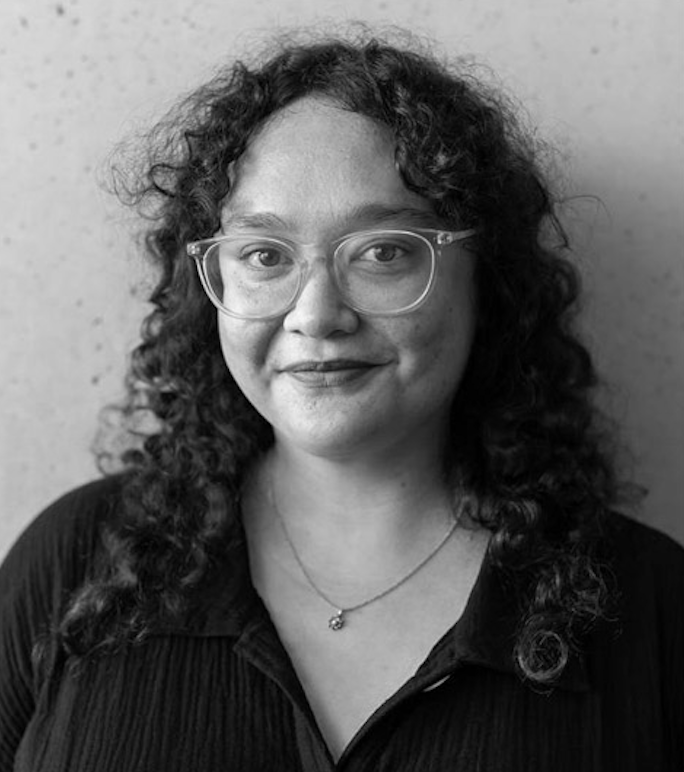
{"points": [[387, 505]]}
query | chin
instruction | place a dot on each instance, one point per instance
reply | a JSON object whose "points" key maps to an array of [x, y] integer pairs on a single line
{"points": [[331, 442]]}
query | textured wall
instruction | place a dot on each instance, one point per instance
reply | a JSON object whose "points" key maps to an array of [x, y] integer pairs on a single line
{"points": [[603, 81]]}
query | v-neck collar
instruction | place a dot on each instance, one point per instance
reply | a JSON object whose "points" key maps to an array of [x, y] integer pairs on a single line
{"points": [[484, 635]]}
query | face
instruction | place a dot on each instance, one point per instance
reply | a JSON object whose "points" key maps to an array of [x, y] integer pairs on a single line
{"points": [[331, 381]]}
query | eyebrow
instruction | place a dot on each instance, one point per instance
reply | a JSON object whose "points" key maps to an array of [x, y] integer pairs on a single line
{"points": [[255, 221], [365, 214], [380, 214]]}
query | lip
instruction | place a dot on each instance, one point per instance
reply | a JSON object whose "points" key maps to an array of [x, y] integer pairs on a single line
{"points": [[330, 372], [328, 365]]}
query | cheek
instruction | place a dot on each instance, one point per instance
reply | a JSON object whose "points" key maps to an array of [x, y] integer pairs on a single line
{"points": [[440, 346], [243, 346]]}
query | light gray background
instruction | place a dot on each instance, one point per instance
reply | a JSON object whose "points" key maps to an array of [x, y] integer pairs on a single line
{"points": [[602, 80]]}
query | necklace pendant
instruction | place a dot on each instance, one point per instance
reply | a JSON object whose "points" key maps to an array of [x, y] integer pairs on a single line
{"points": [[336, 621]]}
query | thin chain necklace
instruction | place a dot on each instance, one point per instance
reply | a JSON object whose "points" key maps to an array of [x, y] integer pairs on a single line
{"points": [[338, 619]]}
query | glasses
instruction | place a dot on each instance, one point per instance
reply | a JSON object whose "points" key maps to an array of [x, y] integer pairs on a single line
{"points": [[376, 272]]}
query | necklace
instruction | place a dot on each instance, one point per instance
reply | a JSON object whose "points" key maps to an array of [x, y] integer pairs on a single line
{"points": [[338, 619]]}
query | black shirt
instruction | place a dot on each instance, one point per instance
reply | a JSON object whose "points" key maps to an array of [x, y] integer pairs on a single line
{"points": [[219, 692]]}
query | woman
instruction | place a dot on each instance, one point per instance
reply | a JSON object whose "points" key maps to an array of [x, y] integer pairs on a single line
{"points": [[370, 528]]}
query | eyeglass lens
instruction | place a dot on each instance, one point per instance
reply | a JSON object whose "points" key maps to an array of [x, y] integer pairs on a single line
{"points": [[378, 271]]}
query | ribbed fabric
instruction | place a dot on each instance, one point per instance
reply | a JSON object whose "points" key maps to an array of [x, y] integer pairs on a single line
{"points": [[219, 694]]}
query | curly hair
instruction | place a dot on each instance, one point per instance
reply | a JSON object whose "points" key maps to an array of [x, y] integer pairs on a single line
{"points": [[531, 456]]}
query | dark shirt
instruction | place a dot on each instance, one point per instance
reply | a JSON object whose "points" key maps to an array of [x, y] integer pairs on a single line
{"points": [[219, 693]]}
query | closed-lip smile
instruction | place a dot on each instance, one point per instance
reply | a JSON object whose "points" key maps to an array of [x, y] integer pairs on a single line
{"points": [[328, 365], [331, 373]]}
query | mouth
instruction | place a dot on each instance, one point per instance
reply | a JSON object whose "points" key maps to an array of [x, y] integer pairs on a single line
{"points": [[330, 372], [328, 366]]}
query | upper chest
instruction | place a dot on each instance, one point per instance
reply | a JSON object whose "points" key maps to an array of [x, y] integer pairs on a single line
{"points": [[201, 704], [348, 673], [217, 702]]}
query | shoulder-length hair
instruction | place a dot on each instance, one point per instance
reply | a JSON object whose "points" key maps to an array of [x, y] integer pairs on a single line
{"points": [[526, 446]]}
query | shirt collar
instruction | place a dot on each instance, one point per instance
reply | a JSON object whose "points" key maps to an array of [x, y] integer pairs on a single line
{"points": [[484, 635], [486, 632]]}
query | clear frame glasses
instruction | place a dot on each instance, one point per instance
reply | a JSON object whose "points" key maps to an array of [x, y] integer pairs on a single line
{"points": [[377, 272]]}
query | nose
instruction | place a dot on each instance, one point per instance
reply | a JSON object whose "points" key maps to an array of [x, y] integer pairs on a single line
{"points": [[320, 310]]}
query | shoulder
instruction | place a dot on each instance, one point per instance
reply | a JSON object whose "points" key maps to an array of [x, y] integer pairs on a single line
{"points": [[641, 554], [636, 657], [75, 510], [47, 563], [646, 572], [57, 549]]}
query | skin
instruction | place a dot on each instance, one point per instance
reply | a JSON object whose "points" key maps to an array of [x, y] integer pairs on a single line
{"points": [[356, 465], [314, 167]]}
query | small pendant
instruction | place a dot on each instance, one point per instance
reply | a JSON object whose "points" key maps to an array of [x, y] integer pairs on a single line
{"points": [[336, 621]]}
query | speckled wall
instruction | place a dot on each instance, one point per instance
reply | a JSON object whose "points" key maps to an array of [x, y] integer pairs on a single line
{"points": [[603, 80]]}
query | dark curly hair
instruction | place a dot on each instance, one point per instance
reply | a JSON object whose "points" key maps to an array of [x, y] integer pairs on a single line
{"points": [[531, 458]]}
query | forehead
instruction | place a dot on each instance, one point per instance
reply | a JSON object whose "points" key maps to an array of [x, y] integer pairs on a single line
{"points": [[314, 164]]}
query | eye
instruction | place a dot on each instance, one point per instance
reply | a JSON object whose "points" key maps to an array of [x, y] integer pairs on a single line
{"points": [[264, 257], [382, 252]]}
